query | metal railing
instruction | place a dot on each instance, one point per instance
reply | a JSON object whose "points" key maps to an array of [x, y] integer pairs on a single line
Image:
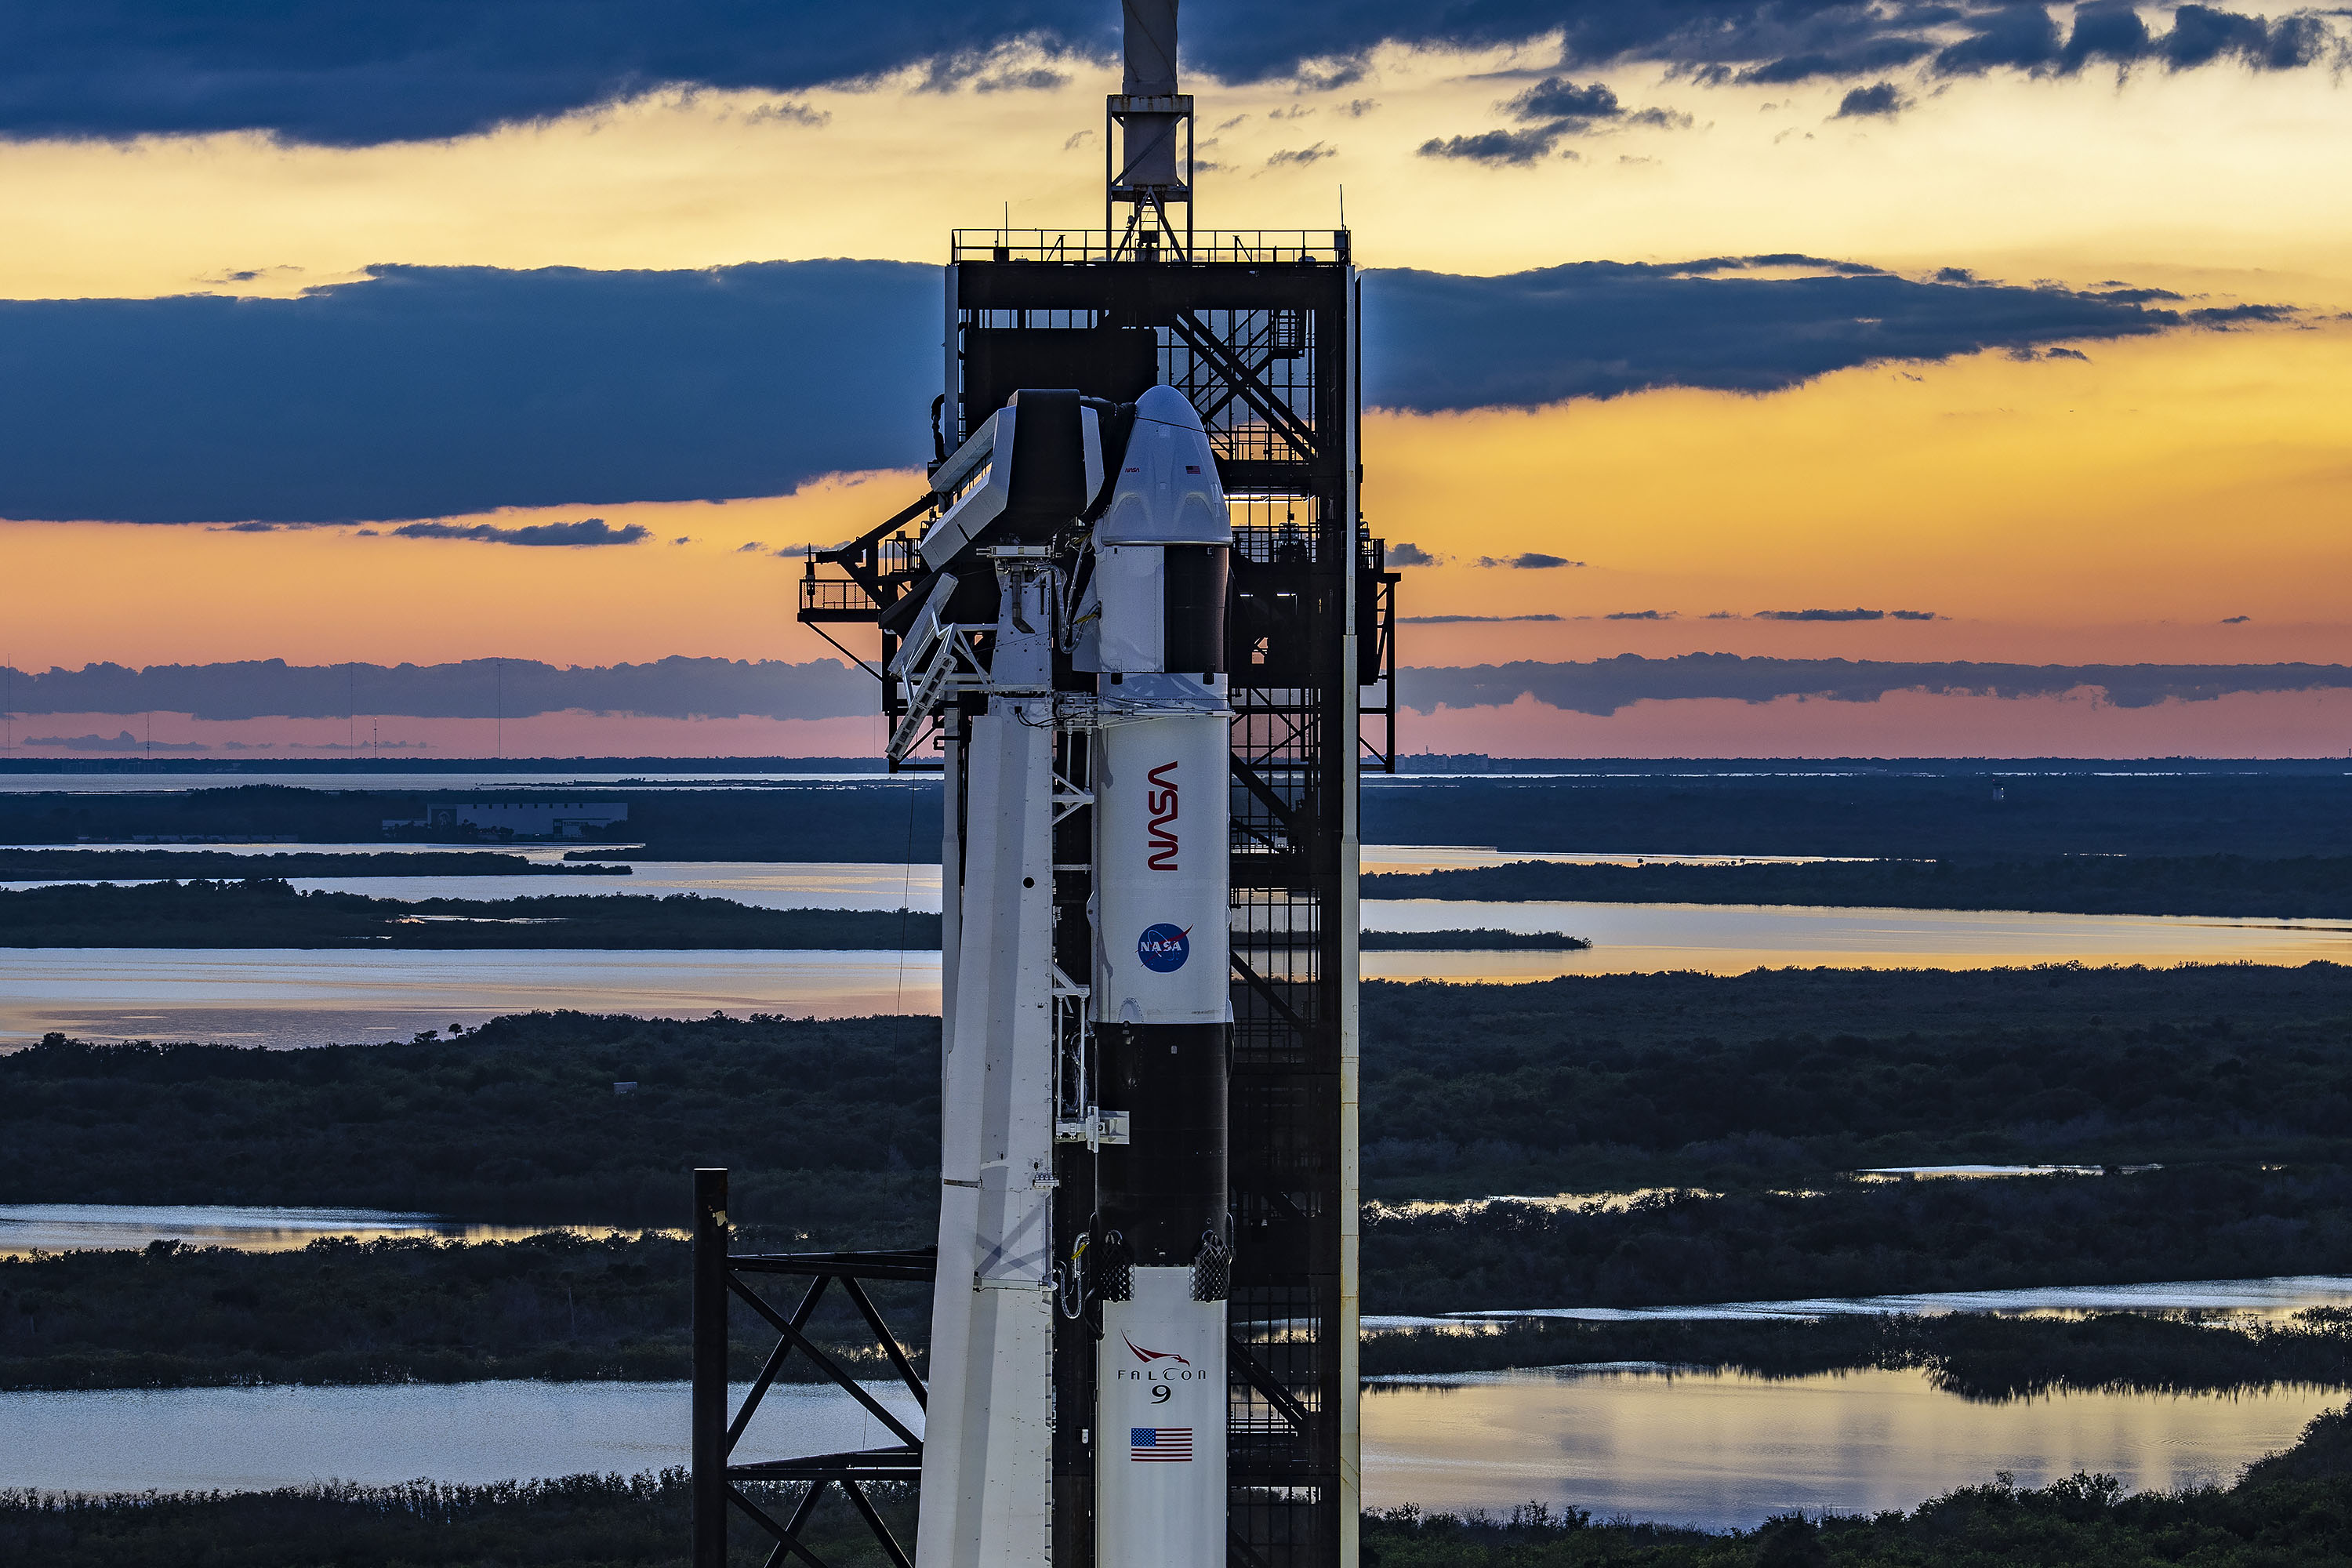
{"points": [[1264, 246]]}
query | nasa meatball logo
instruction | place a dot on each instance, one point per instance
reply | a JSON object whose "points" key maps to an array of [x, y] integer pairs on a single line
{"points": [[1164, 949]]}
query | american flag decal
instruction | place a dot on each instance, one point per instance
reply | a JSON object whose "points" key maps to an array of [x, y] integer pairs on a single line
{"points": [[1163, 1444]]}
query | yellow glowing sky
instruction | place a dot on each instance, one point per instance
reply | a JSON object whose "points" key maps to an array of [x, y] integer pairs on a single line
{"points": [[2218, 177], [2117, 510]]}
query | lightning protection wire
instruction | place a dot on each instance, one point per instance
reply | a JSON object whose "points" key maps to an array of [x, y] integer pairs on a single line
{"points": [[906, 890]]}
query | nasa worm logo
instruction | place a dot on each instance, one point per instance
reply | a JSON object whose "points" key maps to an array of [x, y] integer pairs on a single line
{"points": [[1164, 949], [1161, 802]]}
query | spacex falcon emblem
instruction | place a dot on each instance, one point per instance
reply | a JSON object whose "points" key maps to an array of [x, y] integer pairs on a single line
{"points": [[1148, 1357]]}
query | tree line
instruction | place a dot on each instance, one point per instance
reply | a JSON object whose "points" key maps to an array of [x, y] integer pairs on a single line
{"points": [[269, 912], [2307, 887]]}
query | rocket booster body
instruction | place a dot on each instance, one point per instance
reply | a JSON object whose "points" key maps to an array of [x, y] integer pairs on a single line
{"points": [[1148, 632], [1153, 632]]}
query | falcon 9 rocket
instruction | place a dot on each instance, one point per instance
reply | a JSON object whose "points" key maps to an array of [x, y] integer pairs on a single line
{"points": [[1136, 604], [1147, 701]]}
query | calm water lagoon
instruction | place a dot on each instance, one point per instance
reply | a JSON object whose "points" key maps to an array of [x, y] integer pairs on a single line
{"points": [[1728, 1448], [1708, 1449], [790, 885], [2277, 1297], [290, 997], [284, 997], [66, 1228]]}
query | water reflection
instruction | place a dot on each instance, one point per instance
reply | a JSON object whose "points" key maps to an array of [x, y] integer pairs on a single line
{"points": [[281, 997], [783, 885], [1410, 858], [1721, 1449], [286, 997], [2274, 1297], [66, 1228], [170, 1439], [1716, 1449], [1731, 939]]}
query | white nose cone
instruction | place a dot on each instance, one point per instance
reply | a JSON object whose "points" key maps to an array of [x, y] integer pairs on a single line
{"points": [[1167, 491]]}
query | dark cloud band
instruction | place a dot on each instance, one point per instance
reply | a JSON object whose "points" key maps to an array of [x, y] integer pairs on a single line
{"points": [[353, 72], [431, 393], [674, 688], [1596, 329], [1604, 686], [437, 391]]}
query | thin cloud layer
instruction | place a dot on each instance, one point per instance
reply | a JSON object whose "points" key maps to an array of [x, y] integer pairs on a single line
{"points": [[674, 687], [1856, 615], [1603, 687], [1553, 109], [1437, 342], [590, 530], [680, 687], [356, 72]]}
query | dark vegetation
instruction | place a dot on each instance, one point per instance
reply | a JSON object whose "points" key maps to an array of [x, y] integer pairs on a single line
{"points": [[125, 865], [1865, 1239], [393, 1310], [564, 1306], [2290, 1511], [576, 1522], [2308, 888], [269, 912], [1751, 1087], [1484, 939], [1590, 1083], [1615, 1082], [869, 822], [1976, 1355], [831, 1125], [1923, 812], [1899, 810]]}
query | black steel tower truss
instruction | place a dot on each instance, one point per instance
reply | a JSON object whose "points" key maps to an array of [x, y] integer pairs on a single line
{"points": [[722, 1279]]}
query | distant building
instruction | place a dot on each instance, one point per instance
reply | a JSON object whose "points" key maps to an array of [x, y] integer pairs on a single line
{"points": [[503, 819], [1446, 763]]}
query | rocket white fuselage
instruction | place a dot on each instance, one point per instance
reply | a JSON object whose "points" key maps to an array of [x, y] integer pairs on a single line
{"points": [[1160, 1451], [1162, 812], [1161, 991], [1162, 779]]}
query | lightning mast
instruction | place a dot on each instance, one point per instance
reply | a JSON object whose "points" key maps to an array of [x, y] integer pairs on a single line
{"points": [[1137, 623]]}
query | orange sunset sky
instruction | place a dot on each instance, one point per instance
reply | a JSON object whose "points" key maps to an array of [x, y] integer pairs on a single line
{"points": [[2182, 497]]}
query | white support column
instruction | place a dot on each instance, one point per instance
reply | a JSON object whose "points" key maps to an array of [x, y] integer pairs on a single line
{"points": [[988, 1428], [1350, 915], [950, 869]]}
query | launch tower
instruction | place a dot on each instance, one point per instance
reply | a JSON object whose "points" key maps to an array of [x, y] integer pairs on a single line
{"points": [[1042, 610]]}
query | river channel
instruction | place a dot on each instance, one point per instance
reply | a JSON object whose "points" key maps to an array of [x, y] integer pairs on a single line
{"points": [[1717, 1449], [298, 997]]}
